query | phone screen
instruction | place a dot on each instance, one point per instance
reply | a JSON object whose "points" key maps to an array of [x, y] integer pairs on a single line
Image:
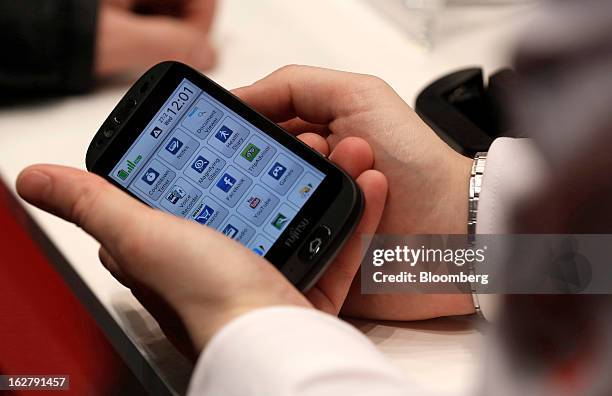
{"points": [[199, 160]]}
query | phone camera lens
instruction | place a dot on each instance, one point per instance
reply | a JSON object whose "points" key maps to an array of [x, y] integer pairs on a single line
{"points": [[108, 133]]}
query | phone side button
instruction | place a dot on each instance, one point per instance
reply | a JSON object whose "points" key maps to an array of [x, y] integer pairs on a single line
{"points": [[315, 243]]}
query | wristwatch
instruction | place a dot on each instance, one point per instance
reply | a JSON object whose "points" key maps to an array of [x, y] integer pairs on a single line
{"points": [[476, 175]]}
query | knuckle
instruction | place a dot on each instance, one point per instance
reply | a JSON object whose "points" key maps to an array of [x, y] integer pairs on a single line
{"points": [[133, 245], [291, 68], [364, 92], [136, 239], [370, 81], [87, 199], [347, 274]]}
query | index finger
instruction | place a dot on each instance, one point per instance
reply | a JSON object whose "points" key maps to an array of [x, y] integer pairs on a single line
{"points": [[313, 94]]}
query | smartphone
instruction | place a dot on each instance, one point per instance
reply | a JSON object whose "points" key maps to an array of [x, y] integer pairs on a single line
{"points": [[181, 143]]}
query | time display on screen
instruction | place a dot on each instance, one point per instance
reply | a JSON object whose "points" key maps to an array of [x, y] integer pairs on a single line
{"points": [[177, 104]]}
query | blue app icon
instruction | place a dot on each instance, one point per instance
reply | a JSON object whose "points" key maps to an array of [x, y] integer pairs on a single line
{"points": [[200, 164], [150, 176], [223, 134], [259, 250], [230, 231], [277, 171], [174, 146], [226, 182], [205, 215]]}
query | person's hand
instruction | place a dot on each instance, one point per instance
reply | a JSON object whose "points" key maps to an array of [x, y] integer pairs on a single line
{"points": [[428, 181], [136, 34], [191, 278]]}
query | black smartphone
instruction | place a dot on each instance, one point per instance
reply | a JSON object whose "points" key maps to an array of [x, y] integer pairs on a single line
{"points": [[181, 143]]}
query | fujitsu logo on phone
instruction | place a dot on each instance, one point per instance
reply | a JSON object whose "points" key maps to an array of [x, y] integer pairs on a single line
{"points": [[296, 232]]}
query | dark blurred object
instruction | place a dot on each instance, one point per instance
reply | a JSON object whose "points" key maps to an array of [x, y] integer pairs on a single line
{"points": [[467, 115], [47, 47], [563, 100], [545, 332]]}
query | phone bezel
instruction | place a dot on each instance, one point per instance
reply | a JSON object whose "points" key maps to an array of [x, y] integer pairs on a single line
{"points": [[164, 79]]}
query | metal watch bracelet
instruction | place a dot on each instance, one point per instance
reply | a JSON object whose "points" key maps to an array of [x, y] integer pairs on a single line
{"points": [[476, 175]]}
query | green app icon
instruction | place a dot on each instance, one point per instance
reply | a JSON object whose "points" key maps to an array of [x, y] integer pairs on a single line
{"points": [[250, 152], [279, 221]]}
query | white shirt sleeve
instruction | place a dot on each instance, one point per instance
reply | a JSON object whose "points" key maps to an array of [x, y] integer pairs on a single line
{"points": [[514, 169], [290, 351]]}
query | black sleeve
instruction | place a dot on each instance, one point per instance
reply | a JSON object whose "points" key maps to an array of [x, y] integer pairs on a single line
{"points": [[47, 46]]}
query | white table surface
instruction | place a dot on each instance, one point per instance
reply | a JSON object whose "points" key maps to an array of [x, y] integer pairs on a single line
{"points": [[254, 38]]}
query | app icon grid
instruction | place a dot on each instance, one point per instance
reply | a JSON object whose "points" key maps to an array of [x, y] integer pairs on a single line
{"points": [[273, 169]]}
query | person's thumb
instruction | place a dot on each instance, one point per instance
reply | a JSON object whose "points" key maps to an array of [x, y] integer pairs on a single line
{"points": [[87, 200], [128, 41]]}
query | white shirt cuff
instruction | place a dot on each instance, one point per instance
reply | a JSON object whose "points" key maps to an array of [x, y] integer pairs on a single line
{"points": [[292, 351], [514, 170]]}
